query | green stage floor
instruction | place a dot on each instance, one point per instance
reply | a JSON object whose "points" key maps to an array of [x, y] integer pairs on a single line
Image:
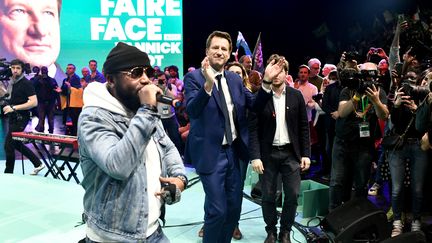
{"points": [[39, 209]]}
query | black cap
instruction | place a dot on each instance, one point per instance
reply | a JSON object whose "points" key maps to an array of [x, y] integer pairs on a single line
{"points": [[124, 57]]}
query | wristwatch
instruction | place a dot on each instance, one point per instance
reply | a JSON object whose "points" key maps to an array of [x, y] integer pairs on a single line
{"points": [[183, 179], [13, 108], [267, 82]]}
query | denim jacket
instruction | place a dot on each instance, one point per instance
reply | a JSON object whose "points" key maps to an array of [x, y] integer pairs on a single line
{"points": [[111, 147]]}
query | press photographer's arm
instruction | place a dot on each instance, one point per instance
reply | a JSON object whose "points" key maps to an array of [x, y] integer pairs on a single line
{"points": [[31, 102], [346, 107], [362, 91], [380, 109]]}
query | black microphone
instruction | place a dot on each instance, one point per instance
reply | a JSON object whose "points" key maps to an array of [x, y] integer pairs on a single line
{"points": [[168, 100]]}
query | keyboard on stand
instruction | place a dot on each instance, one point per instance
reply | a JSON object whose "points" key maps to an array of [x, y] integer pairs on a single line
{"points": [[50, 158]]}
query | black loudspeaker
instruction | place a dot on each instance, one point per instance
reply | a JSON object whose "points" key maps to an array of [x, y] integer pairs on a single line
{"points": [[357, 220], [411, 237], [256, 192]]}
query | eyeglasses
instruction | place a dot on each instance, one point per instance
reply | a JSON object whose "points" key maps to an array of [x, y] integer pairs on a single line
{"points": [[137, 72]]}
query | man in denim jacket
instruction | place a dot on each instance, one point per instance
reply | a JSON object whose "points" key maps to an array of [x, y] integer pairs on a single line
{"points": [[125, 154]]}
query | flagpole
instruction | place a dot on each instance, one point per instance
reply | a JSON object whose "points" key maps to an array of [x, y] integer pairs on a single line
{"points": [[256, 44], [257, 57]]}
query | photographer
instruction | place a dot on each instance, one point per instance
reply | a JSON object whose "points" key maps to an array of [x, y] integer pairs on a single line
{"points": [[402, 116], [361, 103], [167, 112], [22, 99]]}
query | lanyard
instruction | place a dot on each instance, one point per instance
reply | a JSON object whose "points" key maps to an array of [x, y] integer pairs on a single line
{"points": [[365, 107]]}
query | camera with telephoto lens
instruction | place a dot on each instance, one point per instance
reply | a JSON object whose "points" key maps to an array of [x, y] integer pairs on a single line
{"points": [[358, 82], [318, 97], [4, 101], [352, 56], [416, 92], [6, 72]]}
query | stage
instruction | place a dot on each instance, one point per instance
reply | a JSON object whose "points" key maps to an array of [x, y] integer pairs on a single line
{"points": [[44, 209]]}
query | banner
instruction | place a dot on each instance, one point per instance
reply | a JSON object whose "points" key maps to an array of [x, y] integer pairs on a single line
{"points": [[258, 59], [90, 29]]}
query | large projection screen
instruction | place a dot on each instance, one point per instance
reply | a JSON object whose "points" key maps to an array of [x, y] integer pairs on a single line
{"points": [[89, 29]]}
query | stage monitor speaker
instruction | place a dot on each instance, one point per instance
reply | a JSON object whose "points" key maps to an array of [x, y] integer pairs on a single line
{"points": [[411, 237], [357, 219], [256, 192]]}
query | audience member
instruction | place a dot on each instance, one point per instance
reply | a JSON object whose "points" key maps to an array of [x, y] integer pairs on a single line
{"points": [[84, 72], [254, 77], [402, 117], [47, 90], [330, 103], [314, 65], [167, 112], [73, 91], [95, 75], [174, 78]]}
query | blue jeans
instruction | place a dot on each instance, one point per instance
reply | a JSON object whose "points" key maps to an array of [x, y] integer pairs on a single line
{"points": [[418, 165], [351, 162]]}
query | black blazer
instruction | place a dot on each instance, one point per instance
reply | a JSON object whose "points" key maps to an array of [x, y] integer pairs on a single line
{"points": [[262, 124]]}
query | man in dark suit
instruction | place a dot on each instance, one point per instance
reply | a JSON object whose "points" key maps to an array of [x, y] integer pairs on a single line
{"points": [[279, 144], [216, 102]]}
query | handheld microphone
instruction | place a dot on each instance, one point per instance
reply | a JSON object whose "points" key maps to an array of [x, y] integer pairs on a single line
{"points": [[168, 100]]}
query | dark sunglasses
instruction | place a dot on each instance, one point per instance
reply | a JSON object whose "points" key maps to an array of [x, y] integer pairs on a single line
{"points": [[137, 72]]}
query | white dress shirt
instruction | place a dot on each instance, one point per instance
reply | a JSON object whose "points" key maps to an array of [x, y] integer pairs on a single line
{"points": [[281, 135]]}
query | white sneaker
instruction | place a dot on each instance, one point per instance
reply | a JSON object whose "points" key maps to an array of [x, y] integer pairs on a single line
{"points": [[37, 169], [397, 228], [416, 225]]}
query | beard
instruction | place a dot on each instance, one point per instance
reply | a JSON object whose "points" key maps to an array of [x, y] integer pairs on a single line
{"points": [[129, 99]]}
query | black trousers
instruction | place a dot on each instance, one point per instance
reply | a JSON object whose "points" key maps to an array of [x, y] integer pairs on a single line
{"points": [[17, 125], [283, 161], [74, 113], [45, 109], [171, 127]]}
